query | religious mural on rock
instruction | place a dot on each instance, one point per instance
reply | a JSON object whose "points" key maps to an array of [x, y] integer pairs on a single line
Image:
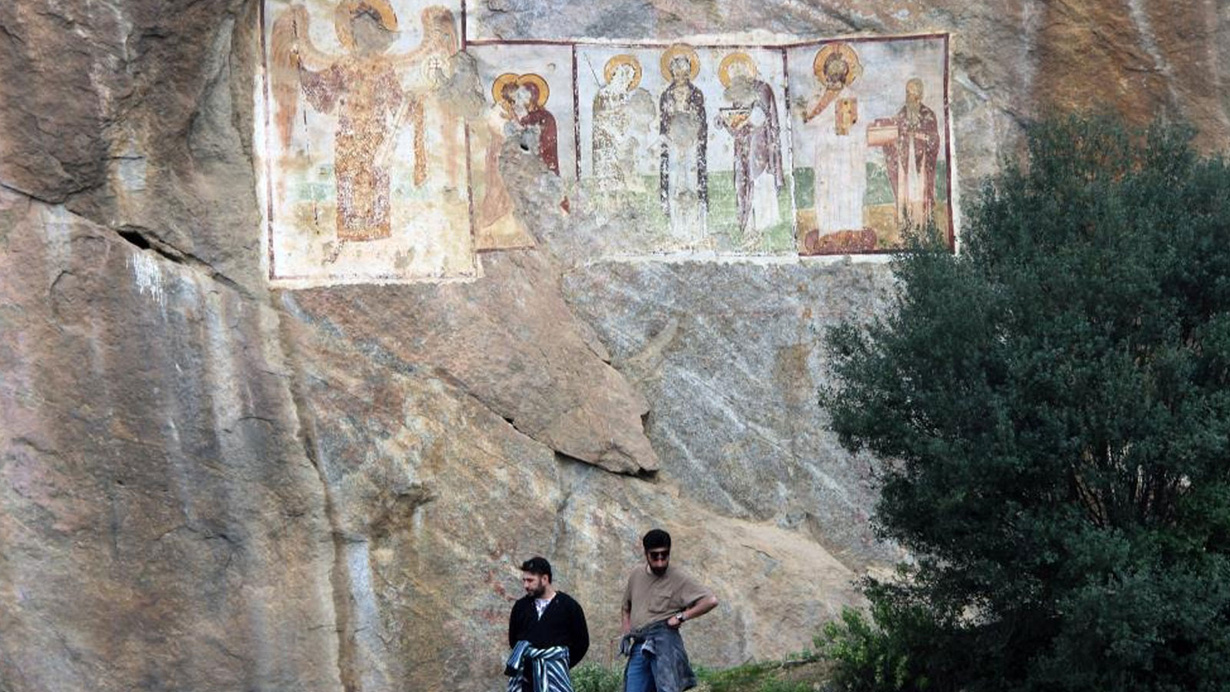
{"points": [[871, 158], [364, 154], [396, 153], [525, 135]]}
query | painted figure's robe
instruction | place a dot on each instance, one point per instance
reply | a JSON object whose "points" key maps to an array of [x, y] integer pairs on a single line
{"points": [[367, 96], [620, 133], [911, 164], [548, 138], [758, 158], [496, 223], [840, 185], [684, 180]]}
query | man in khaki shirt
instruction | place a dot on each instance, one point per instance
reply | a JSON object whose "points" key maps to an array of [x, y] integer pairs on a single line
{"points": [[656, 603]]}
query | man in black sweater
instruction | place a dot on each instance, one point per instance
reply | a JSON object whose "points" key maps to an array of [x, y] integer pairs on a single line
{"points": [[546, 631]]}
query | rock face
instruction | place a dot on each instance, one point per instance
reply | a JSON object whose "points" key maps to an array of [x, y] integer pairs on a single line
{"points": [[210, 485]]}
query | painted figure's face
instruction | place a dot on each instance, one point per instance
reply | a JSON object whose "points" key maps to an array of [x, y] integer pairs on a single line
{"points": [[522, 98], [438, 29], [913, 92], [835, 70], [370, 36], [535, 584], [741, 71], [659, 559], [681, 69], [623, 76], [507, 95]]}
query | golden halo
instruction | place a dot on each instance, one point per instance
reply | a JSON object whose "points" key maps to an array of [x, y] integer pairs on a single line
{"points": [[544, 91], [724, 68], [624, 59], [497, 87], [856, 68], [346, 10], [680, 49]]}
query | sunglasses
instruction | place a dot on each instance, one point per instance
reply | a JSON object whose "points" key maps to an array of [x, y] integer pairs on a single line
{"points": [[659, 554]]}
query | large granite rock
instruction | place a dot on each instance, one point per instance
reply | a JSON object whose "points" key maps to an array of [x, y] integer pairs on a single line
{"points": [[211, 486], [162, 527], [435, 499], [731, 357], [510, 341]]}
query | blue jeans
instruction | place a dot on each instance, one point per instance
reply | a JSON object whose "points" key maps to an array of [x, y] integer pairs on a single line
{"points": [[638, 677]]}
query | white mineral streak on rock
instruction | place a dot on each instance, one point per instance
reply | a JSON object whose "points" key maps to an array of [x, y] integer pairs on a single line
{"points": [[147, 274], [1148, 40], [129, 166], [58, 226], [368, 631]]}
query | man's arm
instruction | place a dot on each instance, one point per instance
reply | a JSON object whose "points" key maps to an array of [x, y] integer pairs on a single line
{"points": [[625, 620], [513, 630], [579, 637], [698, 608]]}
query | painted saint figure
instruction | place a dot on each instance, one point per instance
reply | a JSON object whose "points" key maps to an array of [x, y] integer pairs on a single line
{"points": [[623, 116], [364, 87], [448, 79], [496, 224], [839, 140], [911, 155], [684, 132], [752, 121], [519, 119], [529, 103], [537, 123]]}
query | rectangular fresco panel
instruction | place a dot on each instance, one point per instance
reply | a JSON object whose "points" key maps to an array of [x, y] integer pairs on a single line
{"points": [[528, 108], [869, 128], [394, 152], [363, 151], [692, 137]]}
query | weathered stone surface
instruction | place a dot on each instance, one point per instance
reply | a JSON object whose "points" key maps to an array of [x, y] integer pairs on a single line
{"points": [[731, 358], [207, 487], [435, 501], [510, 341], [127, 113], [161, 526]]}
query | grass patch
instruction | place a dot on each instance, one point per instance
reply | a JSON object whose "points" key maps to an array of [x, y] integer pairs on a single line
{"points": [[799, 673]]}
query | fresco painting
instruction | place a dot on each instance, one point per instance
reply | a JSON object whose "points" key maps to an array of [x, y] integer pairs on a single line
{"points": [[362, 153], [393, 155], [686, 135], [530, 107], [869, 135], [751, 119]]}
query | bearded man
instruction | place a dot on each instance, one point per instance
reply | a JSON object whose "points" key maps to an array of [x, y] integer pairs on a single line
{"points": [[657, 601], [547, 633]]}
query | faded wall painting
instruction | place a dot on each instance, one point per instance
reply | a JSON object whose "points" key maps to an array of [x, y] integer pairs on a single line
{"points": [[396, 151], [528, 110], [869, 123], [363, 144], [694, 138]]}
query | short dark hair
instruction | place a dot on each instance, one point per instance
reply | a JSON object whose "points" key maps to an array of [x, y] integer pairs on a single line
{"points": [[656, 538], [537, 565]]}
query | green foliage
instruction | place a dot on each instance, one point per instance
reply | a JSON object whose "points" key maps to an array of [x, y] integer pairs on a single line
{"points": [[744, 678], [773, 685], [750, 677], [1053, 405], [592, 677], [877, 656]]}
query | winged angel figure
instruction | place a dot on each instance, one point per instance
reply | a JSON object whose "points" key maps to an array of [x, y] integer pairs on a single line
{"points": [[373, 94]]}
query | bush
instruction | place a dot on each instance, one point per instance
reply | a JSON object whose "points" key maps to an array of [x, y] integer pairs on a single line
{"points": [[1052, 406], [592, 677]]}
